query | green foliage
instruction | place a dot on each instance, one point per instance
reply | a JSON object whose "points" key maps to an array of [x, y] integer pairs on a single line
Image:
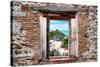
{"points": [[65, 43], [55, 52], [53, 34]]}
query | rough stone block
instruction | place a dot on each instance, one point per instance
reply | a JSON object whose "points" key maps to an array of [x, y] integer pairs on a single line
{"points": [[19, 13]]}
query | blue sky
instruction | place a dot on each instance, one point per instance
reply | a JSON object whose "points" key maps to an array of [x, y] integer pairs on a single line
{"points": [[61, 25]]}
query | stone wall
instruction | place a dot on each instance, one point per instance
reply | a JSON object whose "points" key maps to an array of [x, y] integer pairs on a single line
{"points": [[26, 31], [25, 34], [87, 21], [92, 31]]}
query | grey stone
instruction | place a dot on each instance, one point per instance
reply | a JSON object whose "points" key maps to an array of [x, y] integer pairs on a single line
{"points": [[18, 52], [17, 8], [23, 33], [15, 13], [16, 3], [16, 27], [91, 13]]}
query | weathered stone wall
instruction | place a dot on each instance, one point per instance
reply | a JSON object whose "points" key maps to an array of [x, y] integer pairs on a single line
{"points": [[25, 34], [26, 31], [87, 21]]}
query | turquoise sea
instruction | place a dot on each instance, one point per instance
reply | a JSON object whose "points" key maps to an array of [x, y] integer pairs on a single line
{"points": [[65, 32]]}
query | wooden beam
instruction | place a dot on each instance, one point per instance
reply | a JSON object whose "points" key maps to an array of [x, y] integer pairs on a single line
{"points": [[59, 16], [55, 9], [50, 11]]}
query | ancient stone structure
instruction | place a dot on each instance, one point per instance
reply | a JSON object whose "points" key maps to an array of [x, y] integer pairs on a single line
{"points": [[25, 32]]}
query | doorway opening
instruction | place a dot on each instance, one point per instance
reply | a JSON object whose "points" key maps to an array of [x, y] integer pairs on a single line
{"points": [[58, 37]]}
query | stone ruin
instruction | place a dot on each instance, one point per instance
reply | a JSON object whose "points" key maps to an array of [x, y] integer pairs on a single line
{"points": [[25, 31]]}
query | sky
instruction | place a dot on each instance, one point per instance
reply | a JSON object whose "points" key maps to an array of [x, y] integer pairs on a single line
{"points": [[62, 25]]}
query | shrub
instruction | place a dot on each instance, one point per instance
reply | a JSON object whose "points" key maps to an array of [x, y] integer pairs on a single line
{"points": [[55, 52], [65, 43]]}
